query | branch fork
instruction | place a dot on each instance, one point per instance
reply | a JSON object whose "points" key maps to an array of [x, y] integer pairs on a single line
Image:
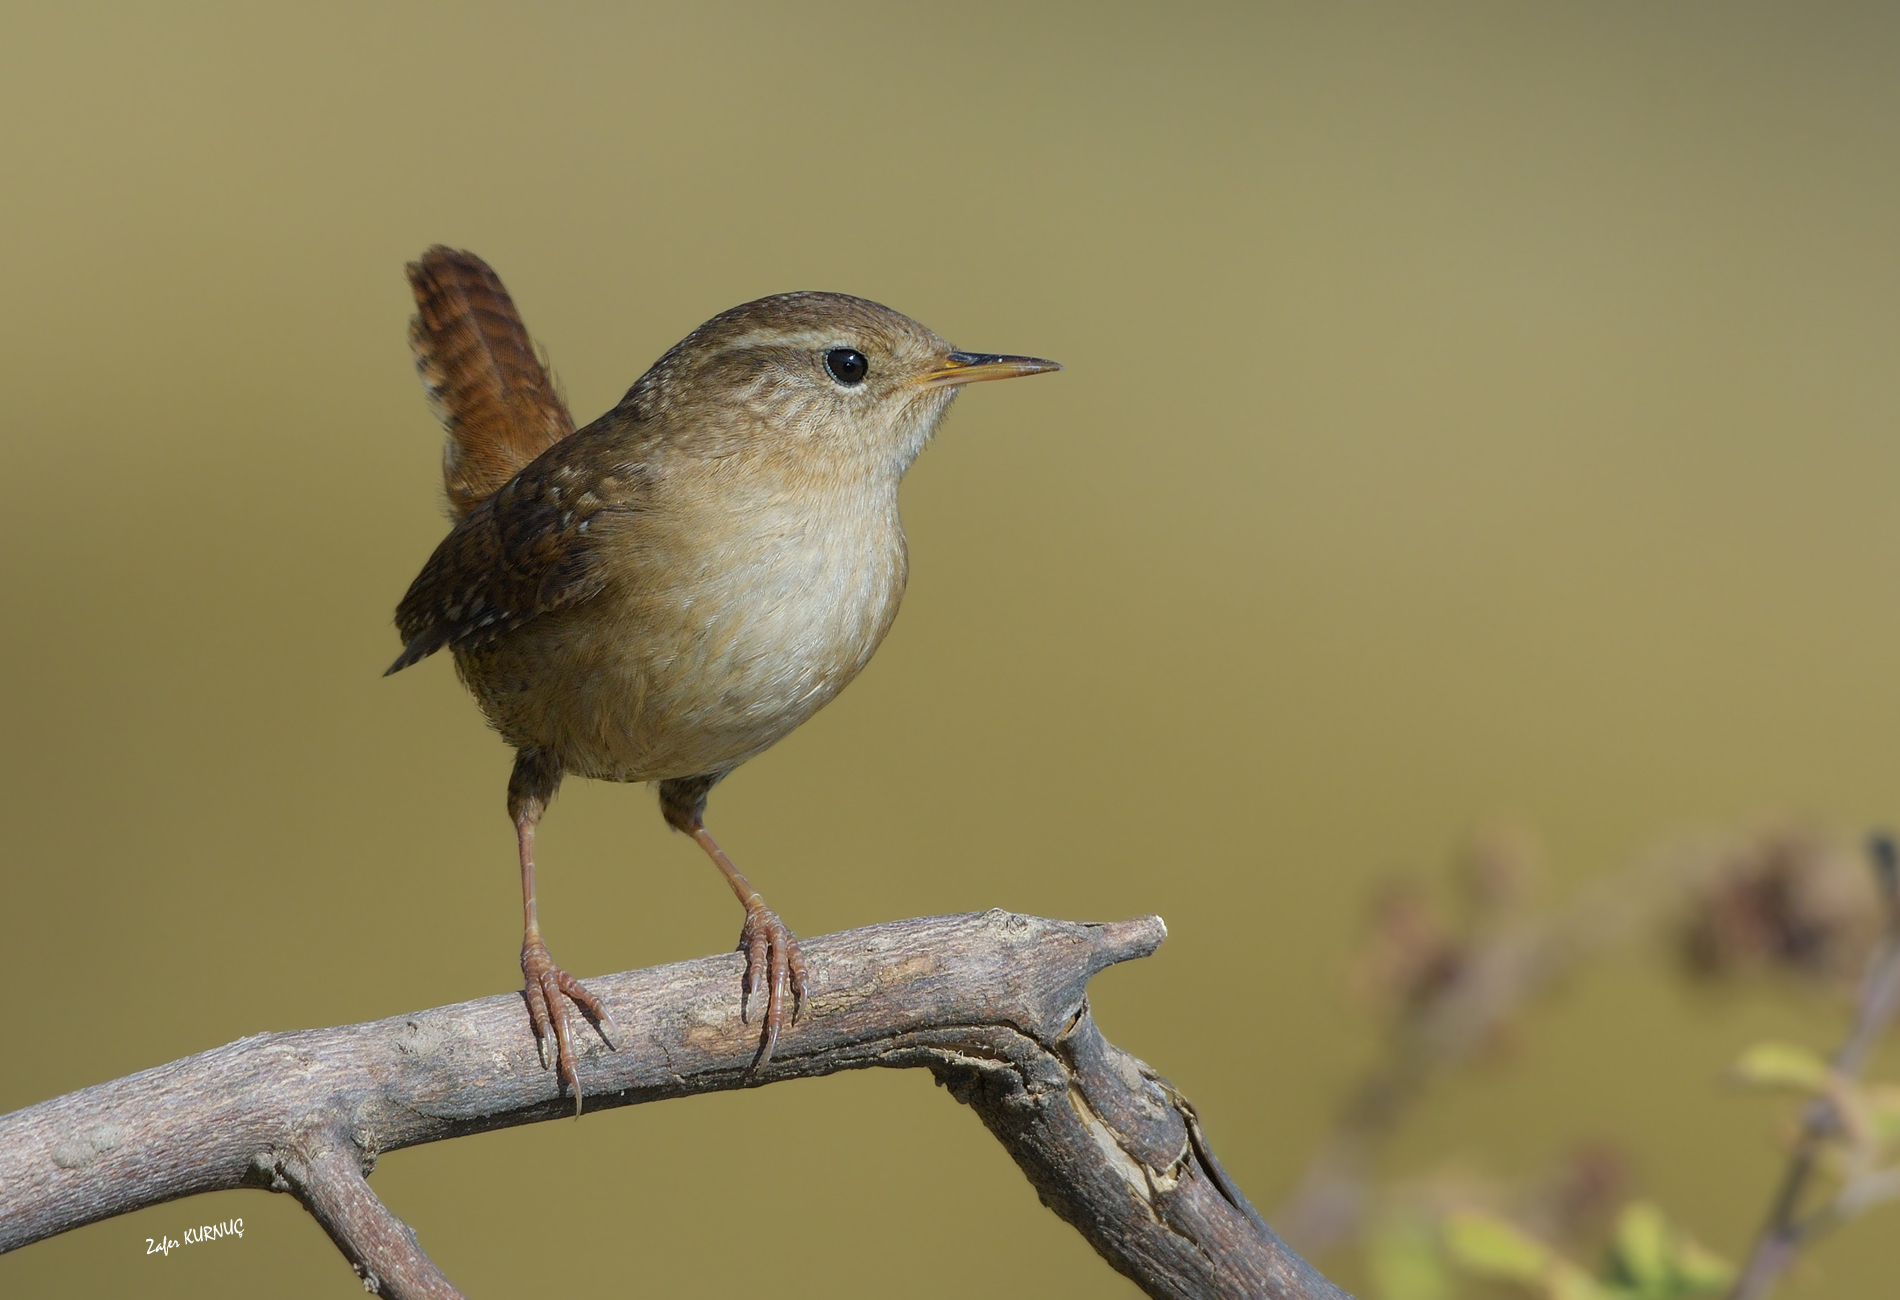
{"points": [[994, 1004]]}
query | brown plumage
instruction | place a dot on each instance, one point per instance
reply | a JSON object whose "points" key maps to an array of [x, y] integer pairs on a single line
{"points": [[485, 379], [665, 593]]}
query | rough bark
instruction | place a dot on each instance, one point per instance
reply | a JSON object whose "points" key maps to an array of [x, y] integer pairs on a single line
{"points": [[994, 1004]]}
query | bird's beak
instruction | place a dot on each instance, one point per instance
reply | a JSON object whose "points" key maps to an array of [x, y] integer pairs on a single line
{"points": [[975, 367]]}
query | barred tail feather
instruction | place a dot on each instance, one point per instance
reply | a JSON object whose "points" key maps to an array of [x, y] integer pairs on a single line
{"points": [[486, 381]]}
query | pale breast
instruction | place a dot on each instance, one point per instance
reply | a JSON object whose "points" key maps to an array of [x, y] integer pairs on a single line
{"points": [[715, 639]]}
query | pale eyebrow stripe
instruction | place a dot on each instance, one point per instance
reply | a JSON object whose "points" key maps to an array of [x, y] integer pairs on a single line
{"points": [[779, 338]]}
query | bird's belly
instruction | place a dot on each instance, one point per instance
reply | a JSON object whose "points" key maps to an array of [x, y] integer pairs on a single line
{"points": [[697, 679]]}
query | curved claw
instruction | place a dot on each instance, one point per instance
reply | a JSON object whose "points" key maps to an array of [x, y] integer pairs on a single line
{"points": [[773, 963], [548, 990]]}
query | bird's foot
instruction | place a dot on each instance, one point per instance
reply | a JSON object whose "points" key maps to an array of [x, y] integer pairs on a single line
{"points": [[549, 988], [772, 963]]}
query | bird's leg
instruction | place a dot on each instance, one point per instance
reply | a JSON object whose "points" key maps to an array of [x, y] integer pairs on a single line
{"points": [[769, 946], [547, 986], [772, 959]]}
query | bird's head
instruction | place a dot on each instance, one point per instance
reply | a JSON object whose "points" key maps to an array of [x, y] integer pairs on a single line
{"points": [[823, 377]]}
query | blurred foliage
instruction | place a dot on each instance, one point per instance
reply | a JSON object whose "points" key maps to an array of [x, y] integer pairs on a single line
{"points": [[1647, 1259], [1450, 980]]}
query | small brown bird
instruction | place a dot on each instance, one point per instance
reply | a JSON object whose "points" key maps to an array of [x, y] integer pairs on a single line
{"points": [[663, 594]]}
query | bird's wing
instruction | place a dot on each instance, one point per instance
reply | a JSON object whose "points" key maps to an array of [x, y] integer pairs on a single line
{"points": [[486, 381], [532, 547]]}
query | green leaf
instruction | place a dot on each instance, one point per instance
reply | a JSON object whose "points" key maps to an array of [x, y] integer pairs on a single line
{"points": [[1572, 1283], [1642, 1247], [1493, 1247], [1662, 1263], [1782, 1065]]}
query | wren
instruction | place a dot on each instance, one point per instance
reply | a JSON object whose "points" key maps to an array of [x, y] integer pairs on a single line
{"points": [[665, 593]]}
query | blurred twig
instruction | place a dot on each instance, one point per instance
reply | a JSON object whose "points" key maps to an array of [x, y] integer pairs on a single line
{"points": [[1786, 1230], [1458, 988]]}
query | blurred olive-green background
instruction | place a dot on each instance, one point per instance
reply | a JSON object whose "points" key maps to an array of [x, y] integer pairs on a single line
{"points": [[1469, 409]]}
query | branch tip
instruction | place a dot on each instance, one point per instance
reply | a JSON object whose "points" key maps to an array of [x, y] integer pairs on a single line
{"points": [[1120, 941]]}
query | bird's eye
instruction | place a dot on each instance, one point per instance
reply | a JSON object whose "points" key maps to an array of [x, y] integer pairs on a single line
{"points": [[847, 365]]}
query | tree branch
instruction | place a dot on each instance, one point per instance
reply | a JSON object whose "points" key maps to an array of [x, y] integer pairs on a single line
{"points": [[994, 1004], [326, 1174]]}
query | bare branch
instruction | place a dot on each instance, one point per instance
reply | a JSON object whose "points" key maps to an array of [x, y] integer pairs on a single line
{"points": [[994, 1004], [327, 1176]]}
